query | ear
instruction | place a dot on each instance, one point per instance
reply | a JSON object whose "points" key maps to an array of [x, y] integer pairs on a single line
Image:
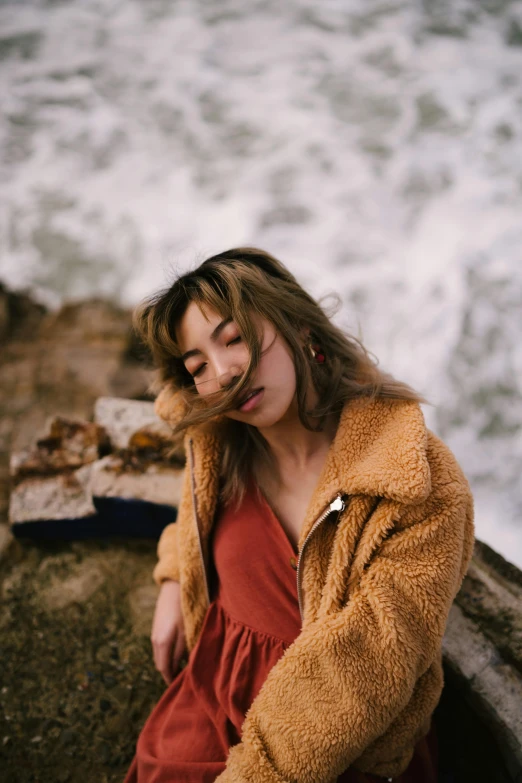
{"points": [[304, 333]]}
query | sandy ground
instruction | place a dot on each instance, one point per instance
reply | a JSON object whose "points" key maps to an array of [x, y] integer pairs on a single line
{"points": [[77, 680]]}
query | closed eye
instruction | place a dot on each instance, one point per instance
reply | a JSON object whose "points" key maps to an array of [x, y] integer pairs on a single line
{"points": [[200, 368]]}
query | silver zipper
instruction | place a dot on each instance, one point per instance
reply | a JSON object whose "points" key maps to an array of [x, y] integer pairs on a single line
{"points": [[193, 482], [337, 504]]}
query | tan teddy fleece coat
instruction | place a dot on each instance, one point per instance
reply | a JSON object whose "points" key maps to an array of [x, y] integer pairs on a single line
{"points": [[358, 685]]}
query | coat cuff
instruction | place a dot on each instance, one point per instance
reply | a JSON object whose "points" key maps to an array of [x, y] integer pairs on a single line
{"points": [[167, 566]]}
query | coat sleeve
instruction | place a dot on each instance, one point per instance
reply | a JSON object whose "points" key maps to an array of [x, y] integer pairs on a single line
{"points": [[347, 675], [167, 566]]}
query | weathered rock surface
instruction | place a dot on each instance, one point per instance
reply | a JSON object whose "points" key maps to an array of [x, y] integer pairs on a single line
{"points": [[67, 444], [121, 418], [62, 477], [60, 363], [483, 649], [156, 483], [65, 496]]}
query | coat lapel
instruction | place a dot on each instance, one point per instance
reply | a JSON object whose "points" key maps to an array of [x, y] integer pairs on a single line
{"points": [[377, 458]]}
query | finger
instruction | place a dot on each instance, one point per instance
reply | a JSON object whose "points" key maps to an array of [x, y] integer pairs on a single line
{"points": [[167, 677], [162, 660], [178, 648], [165, 669]]}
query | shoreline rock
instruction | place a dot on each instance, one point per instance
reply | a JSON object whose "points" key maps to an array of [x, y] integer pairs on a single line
{"points": [[82, 474]]}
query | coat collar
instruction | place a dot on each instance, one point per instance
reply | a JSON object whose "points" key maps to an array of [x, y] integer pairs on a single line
{"points": [[379, 449]]}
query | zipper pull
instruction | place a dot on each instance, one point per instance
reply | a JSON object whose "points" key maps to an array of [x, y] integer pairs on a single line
{"points": [[338, 504]]}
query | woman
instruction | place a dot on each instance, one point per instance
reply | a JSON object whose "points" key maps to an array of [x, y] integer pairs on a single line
{"points": [[322, 535]]}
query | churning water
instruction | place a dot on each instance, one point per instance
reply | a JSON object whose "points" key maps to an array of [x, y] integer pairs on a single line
{"points": [[374, 147]]}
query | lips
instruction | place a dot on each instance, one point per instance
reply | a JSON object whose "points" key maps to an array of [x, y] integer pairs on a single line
{"points": [[250, 394]]}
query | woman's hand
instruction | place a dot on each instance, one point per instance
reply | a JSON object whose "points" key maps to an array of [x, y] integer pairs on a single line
{"points": [[168, 631]]}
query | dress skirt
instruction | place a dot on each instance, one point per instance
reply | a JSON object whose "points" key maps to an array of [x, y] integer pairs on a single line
{"points": [[252, 618]]}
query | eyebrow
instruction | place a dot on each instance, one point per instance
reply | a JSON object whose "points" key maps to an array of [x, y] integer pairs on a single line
{"points": [[215, 334]]}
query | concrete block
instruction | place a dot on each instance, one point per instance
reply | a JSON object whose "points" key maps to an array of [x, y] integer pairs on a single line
{"points": [[67, 444], [121, 418], [64, 496], [156, 483]]}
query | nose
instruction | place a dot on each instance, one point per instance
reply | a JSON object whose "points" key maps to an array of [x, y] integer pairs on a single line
{"points": [[227, 376]]}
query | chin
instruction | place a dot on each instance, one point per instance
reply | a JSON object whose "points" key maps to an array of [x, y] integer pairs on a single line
{"points": [[272, 416]]}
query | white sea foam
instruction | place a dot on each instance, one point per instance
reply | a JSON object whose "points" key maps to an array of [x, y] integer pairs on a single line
{"points": [[375, 148]]}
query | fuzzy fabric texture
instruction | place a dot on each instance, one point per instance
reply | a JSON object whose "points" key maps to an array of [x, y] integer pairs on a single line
{"points": [[359, 684]]}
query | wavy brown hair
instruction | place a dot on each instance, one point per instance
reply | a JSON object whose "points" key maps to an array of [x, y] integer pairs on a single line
{"points": [[237, 283]]}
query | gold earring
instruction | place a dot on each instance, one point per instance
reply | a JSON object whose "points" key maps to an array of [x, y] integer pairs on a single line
{"points": [[316, 353]]}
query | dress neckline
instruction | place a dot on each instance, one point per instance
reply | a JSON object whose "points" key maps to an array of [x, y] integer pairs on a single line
{"points": [[295, 551]]}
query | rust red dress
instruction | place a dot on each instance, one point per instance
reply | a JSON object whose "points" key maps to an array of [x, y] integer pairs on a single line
{"points": [[252, 618]]}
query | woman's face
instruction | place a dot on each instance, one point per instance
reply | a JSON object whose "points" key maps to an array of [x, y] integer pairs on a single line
{"points": [[214, 353]]}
